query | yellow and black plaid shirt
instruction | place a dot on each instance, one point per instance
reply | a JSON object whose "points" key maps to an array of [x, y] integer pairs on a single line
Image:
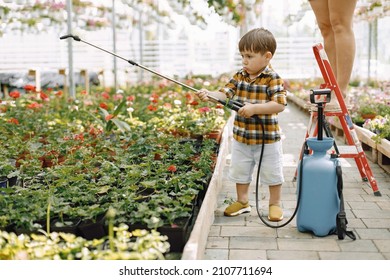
{"points": [[267, 86]]}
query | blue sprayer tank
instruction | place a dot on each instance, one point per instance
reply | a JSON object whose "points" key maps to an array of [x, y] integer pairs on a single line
{"points": [[319, 201]]}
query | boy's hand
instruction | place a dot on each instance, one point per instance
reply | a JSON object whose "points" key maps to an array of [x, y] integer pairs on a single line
{"points": [[247, 111], [203, 94]]}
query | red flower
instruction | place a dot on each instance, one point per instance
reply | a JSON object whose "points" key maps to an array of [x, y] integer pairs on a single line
{"points": [[43, 96], [29, 88], [59, 93], [13, 120], [172, 168], [79, 137], [194, 103], [83, 92], [190, 98], [154, 97], [103, 105], [94, 131], [109, 117], [106, 95], [14, 94], [34, 105], [131, 98], [152, 108]]}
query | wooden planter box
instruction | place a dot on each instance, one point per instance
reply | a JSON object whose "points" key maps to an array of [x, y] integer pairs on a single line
{"points": [[302, 104], [384, 155]]}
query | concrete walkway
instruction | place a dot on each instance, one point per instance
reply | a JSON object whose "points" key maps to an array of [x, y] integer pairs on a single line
{"points": [[246, 237]]}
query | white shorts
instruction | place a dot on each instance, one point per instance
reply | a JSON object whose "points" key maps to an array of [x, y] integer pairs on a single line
{"points": [[246, 157]]}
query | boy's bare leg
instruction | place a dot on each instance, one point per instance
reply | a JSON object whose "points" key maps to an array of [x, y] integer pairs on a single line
{"points": [[275, 213], [242, 192], [275, 193]]}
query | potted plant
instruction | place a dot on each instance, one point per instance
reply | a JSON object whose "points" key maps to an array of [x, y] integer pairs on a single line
{"points": [[380, 126], [25, 209], [368, 111], [8, 172]]}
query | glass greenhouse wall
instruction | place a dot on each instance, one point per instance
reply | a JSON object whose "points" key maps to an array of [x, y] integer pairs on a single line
{"points": [[187, 49]]}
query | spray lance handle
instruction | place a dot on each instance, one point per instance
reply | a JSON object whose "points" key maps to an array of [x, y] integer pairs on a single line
{"points": [[231, 104]]}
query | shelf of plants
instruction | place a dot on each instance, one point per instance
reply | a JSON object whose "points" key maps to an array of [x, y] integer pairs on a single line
{"points": [[146, 153]]}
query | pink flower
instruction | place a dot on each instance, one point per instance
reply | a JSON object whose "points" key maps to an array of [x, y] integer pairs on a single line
{"points": [[106, 95], [118, 97], [204, 110]]}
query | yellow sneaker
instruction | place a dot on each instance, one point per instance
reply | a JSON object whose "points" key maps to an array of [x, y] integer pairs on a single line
{"points": [[275, 213], [236, 209]]}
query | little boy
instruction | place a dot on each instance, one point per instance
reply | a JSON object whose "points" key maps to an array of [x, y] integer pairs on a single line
{"points": [[261, 89]]}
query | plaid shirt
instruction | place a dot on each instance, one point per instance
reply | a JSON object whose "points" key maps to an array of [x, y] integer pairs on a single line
{"points": [[267, 86]]}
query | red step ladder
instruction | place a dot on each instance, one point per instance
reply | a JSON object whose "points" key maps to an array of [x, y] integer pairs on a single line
{"points": [[354, 148]]}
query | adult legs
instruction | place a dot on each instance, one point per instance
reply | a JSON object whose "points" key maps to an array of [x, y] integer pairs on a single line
{"points": [[341, 18], [321, 12], [335, 20]]}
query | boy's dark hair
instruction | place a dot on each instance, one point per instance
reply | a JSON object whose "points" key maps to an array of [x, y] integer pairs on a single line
{"points": [[258, 40]]}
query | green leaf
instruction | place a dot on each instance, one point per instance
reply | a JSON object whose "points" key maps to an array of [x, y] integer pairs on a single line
{"points": [[120, 107], [149, 183], [103, 190], [123, 126]]}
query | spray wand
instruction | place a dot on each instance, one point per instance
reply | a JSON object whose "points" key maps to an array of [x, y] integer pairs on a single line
{"points": [[231, 104]]}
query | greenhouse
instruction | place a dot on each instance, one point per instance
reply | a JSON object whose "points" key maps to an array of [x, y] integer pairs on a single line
{"points": [[123, 126]]}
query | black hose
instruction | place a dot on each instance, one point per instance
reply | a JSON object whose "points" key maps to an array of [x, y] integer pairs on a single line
{"points": [[257, 186]]}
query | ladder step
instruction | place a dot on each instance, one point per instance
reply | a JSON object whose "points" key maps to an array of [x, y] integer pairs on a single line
{"points": [[348, 151]]}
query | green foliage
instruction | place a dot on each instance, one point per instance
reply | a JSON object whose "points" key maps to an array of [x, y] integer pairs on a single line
{"points": [[124, 245], [80, 163]]}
